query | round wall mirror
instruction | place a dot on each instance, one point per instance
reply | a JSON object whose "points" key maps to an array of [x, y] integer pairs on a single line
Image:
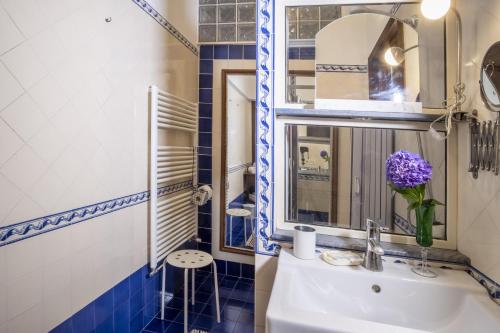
{"points": [[490, 78]]}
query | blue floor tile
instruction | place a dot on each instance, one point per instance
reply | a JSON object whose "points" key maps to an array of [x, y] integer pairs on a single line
{"points": [[236, 305], [243, 328], [175, 328], [157, 326]]}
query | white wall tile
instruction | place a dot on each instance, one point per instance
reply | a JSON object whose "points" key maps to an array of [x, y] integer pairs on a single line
{"points": [[49, 95], [3, 288], [10, 36], [48, 143], [24, 116], [24, 293], [24, 169], [93, 102], [26, 209], [29, 15], [10, 143], [48, 48], [261, 302], [47, 191], [56, 309], [24, 64], [9, 197], [9, 87], [29, 321], [479, 200]]}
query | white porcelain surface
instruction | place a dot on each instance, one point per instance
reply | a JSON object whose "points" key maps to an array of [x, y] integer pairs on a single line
{"points": [[314, 297]]}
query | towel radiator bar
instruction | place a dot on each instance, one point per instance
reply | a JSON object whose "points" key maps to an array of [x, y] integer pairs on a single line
{"points": [[173, 217]]}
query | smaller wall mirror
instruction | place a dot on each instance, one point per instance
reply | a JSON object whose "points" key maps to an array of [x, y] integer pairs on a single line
{"points": [[490, 78], [238, 161], [338, 55]]}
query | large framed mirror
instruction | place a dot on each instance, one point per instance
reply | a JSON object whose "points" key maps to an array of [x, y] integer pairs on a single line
{"points": [[237, 205], [351, 54], [331, 174], [337, 178]]}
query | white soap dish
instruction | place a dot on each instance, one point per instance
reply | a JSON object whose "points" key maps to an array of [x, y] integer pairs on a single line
{"points": [[341, 258]]}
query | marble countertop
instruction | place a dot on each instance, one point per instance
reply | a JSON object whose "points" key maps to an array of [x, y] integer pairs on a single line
{"points": [[391, 249]]}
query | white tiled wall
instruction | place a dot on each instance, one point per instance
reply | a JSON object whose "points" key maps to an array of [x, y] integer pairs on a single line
{"points": [[265, 270], [479, 200], [73, 131]]}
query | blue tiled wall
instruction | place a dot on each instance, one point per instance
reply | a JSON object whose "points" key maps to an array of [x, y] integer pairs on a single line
{"points": [[132, 303], [125, 308], [209, 53]]}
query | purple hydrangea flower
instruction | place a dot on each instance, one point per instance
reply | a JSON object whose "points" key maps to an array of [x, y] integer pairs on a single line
{"points": [[407, 170], [323, 154]]}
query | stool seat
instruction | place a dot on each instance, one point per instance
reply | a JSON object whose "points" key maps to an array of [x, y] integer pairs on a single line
{"points": [[238, 212], [189, 259]]}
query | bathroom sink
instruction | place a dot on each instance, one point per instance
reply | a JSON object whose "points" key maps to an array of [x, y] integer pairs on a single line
{"points": [[314, 297]]}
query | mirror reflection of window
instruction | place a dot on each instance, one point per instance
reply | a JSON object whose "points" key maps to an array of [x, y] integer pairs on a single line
{"points": [[238, 172], [336, 177]]}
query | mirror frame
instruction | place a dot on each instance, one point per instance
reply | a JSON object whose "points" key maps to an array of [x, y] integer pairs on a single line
{"points": [[223, 169], [283, 227]]}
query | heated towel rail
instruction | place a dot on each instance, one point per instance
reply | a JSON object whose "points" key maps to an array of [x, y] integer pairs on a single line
{"points": [[173, 166]]}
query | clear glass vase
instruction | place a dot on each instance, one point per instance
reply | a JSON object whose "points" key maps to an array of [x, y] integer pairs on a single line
{"points": [[425, 219]]}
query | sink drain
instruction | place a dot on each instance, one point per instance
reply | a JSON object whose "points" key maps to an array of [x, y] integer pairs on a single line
{"points": [[376, 288]]}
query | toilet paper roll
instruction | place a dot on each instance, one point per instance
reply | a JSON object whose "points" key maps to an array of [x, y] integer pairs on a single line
{"points": [[202, 195], [304, 242]]}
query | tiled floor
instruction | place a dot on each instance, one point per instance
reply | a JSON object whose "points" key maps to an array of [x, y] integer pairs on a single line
{"points": [[236, 302]]}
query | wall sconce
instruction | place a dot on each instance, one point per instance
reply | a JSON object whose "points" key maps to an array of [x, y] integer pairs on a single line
{"points": [[394, 56]]}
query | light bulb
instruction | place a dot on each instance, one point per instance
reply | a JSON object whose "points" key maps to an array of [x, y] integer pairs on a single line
{"points": [[394, 56], [435, 9]]}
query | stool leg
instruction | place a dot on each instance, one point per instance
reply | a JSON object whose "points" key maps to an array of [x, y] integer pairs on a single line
{"points": [[245, 230], [192, 286], [186, 287], [231, 231], [163, 293], [216, 283]]}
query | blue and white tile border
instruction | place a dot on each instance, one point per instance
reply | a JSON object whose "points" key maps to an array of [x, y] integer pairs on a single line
{"points": [[492, 287], [23, 230], [405, 225], [144, 5], [265, 127]]}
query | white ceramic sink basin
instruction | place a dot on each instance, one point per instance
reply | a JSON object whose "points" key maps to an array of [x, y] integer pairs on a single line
{"points": [[310, 296]]}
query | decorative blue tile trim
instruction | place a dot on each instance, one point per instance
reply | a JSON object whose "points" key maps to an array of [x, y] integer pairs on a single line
{"points": [[265, 127], [341, 68], [19, 231], [492, 287], [144, 5], [405, 225]]}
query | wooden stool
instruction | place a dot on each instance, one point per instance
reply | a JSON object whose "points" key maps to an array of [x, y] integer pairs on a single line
{"points": [[189, 259]]}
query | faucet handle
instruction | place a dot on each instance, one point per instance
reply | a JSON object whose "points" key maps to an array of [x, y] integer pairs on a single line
{"points": [[372, 224]]}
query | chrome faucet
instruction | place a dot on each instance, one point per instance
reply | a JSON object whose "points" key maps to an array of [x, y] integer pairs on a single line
{"points": [[374, 252]]}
